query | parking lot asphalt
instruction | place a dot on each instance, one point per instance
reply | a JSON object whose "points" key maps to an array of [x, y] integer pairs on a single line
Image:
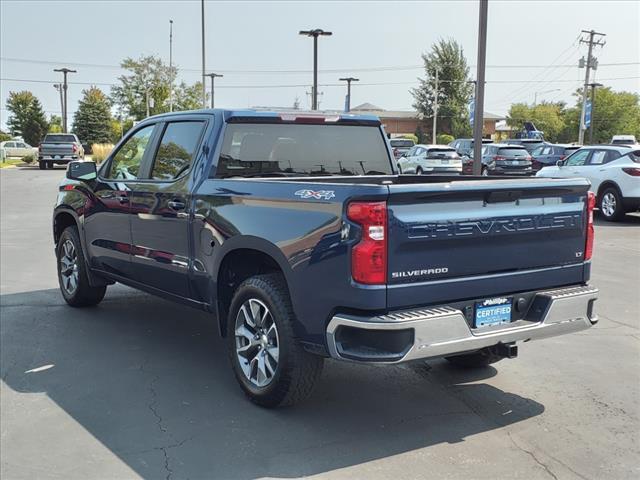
{"points": [[140, 387]]}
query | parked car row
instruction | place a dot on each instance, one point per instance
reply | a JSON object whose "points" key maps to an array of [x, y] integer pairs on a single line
{"points": [[16, 149]]}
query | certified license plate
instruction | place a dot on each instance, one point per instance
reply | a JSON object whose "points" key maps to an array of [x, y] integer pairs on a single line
{"points": [[492, 311]]}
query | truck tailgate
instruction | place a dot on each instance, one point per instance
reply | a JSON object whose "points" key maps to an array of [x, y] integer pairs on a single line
{"points": [[472, 238], [57, 149]]}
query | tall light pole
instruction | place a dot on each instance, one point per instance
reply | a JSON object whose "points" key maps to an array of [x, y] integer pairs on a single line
{"points": [[315, 34], [204, 89], [64, 71], [478, 114], [213, 76], [593, 107], [535, 95], [171, 65], [435, 107], [347, 107]]}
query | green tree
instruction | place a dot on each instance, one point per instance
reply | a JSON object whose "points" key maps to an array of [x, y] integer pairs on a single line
{"points": [[547, 117], [188, 97], [92, 120], [55, 124], [614, 113], [4, 136], [26, 117], [147, 82], [454, 90]]}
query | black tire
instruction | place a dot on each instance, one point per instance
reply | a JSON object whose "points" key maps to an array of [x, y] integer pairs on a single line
{"points": [[480, 359], [610, 204], [42, 165], [50, 165], [484, 172], [297, 370], [83, 295], [418, 171]]}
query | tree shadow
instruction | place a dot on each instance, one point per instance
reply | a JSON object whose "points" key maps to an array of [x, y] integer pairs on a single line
{"points": [[150, 380]]}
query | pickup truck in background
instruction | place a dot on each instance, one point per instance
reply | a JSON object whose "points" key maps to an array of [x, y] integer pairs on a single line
{"points": [[296, 232], [59, 148]]}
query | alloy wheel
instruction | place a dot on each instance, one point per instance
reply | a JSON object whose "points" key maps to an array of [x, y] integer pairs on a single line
{"points": [[608, 204], [69, 267], [257, 342]]}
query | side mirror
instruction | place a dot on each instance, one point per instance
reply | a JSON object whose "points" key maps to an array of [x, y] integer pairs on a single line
{"points": [[560, 163], [85, 171]]}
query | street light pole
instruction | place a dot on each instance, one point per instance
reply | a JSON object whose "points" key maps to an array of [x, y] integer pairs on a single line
{"points": [[212, 76], [315, 34], [171, 65], [593, 108], [64, 71], [348, 80], [478, 114], [204, 89]]}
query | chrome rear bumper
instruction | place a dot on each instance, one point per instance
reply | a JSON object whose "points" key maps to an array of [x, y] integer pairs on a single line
{"points": [[443, 330]]}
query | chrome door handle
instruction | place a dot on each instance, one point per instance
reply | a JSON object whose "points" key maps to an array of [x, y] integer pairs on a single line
{"points": [[176, 205], [122, 198]]}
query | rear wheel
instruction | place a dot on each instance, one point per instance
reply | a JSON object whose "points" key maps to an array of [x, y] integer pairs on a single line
{"points": [[42, 165], [479, 359], [269, 363], [50, 164], [484, 172], [611, 204], [418, 171], [72, 272]]}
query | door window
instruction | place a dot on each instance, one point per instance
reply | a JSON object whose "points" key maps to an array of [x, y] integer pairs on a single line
{"points": [[598, 157], [578, 159], [126, 162], [176, 150], [10, 145], [546, 150]]}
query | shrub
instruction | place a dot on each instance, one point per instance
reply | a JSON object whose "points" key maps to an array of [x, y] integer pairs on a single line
{"points": [[444, 139], [100, 151], [29, 158]]}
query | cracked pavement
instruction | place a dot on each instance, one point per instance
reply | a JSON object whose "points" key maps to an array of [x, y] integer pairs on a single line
{"points": [[141, 388]]}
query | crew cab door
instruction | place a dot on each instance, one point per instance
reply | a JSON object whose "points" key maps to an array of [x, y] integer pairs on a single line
{"points": [[575, 165], [161, 208], [107, 226]]}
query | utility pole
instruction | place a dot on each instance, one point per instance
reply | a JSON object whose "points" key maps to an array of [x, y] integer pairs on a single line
{"points": [[315, 34], [212, 76], [171, 65], [204, 89], [64, 71], [589, 64], [435, 108], [478, 114], [593, 100], [347, 107], [58, 87]]}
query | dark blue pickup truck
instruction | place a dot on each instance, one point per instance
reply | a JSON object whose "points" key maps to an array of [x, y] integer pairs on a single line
{"points": [[295, 231]]}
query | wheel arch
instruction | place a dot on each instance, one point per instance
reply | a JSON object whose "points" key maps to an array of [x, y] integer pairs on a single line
{"points": [[606, 184]]}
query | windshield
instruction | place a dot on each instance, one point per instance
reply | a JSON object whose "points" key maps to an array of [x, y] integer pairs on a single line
{"points": [[402, 143], [60, 138], [258, 150]]}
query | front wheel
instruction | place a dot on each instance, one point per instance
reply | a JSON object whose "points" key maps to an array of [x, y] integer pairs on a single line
{"points": [[611, 205], [72, 272], [270, 365]]}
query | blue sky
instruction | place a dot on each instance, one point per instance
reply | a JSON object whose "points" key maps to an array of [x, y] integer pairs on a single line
{"points": [[532, 47]]}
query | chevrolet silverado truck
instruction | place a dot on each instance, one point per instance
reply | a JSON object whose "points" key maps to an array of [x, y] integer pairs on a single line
{"points": [[296, 233], [59, 148]]}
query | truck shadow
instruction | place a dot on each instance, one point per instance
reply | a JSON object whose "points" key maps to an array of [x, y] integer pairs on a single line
{"points": [[150, 381]]}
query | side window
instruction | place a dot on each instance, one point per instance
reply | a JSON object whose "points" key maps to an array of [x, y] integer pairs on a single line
{"points": [[546, 150], [126, 162], [22, 145], [537, 151], [176, 150], [598, 157], [410, 151], [578, 159], [10, 145]]}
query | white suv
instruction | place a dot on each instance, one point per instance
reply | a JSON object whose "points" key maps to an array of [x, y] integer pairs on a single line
{"points": [[614, 172]]}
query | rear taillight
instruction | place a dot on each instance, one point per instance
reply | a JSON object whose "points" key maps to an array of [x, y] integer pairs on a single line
{"points": [[499, 157], [74, 147], [633, 171], [369, 255], [562, 157], [591, 204]]}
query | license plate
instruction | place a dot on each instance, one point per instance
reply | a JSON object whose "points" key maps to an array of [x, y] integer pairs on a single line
{"points": [[492, 311], [515, 162]]}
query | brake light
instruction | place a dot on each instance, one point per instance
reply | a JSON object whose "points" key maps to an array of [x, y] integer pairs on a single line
{"points": [[499, 157], [633, 171], [591, 204], [369, 255], [74, 148]]}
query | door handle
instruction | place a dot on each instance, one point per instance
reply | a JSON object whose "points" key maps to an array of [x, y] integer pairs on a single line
{"points": [[122, 198], [176, 205]]}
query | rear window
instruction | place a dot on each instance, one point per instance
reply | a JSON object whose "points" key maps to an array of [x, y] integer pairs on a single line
{"points": [[402, 143], [619, 141], [255, 150], [513, 151], [60, 138], [442, 153]]}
